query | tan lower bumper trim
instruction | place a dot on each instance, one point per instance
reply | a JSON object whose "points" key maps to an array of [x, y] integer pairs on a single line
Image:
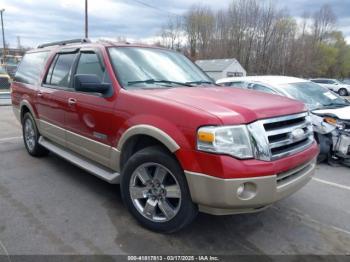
{"points": [[220, 196]]}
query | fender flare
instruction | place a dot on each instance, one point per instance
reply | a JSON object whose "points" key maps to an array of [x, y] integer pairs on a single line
{"points": [[28, 105], [148, 130]]}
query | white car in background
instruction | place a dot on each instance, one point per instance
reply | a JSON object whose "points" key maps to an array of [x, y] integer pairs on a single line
{"points": [[334, 85], [330, 113]]}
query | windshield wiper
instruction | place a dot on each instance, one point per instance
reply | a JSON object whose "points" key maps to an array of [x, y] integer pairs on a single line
{"points": [[154, 81]]}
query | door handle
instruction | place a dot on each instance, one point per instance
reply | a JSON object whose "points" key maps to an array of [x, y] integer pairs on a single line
{"points": [[40, 94], [72, 101]]}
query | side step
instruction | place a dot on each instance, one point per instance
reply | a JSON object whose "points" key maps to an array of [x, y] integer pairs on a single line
{"points": [[95, 169]]}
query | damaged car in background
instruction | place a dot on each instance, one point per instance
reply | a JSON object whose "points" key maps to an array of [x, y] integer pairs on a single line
{"points": [[330, 112]]}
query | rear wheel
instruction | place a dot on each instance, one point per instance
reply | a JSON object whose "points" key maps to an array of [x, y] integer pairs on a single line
{"points": [[343, 92], [31, 136], [155, 191]]}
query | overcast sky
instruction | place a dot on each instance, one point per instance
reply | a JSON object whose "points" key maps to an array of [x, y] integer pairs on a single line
{"points": [[38, 21]]}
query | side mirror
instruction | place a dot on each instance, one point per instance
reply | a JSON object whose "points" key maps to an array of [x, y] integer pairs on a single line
{"points": [[90, 84]]}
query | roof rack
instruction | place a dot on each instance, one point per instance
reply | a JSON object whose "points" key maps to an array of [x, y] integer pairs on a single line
{"points": [[66, 42]]}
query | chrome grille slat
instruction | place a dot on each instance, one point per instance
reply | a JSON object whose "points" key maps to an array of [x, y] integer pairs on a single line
{"points": [[289, 141], [293, 151], [286, 129], [282, 142]]}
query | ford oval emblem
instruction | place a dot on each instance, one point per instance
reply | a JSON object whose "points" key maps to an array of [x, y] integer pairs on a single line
{"points": [[298, 134]]}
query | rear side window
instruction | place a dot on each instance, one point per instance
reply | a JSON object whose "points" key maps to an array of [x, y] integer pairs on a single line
{"points": [[60, 70], [323, 81], [31, 67]]}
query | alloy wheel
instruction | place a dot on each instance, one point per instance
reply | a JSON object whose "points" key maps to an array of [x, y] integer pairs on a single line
{"points": [[155, 192], [29, 134]]}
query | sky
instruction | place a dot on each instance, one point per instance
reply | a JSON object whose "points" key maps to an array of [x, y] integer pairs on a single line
{"points": [[40, 21]]}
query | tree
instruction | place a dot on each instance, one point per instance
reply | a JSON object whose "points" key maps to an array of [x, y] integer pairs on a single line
{"points": [[263, 38]]}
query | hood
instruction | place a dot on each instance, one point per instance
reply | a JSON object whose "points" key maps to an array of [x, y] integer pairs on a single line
{"points": [[231, 105], [342, 113]]}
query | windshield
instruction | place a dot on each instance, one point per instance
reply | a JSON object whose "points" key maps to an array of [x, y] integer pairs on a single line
{"points": [[11, 60], [315, 96], [2, 70], [138, 67]]}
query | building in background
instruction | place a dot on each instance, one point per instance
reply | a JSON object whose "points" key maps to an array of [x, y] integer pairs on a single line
{"points": [[222, 68]]}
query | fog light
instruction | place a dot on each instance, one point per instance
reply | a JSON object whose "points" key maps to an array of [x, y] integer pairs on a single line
{"points": [[240, 190], [246, 191]]}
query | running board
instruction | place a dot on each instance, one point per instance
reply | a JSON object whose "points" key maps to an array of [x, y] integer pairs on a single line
{"points": [[95, 169]]}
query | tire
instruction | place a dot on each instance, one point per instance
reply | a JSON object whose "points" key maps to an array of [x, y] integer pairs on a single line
{"points": [[325, 144], [31, 136], [343, 92], [149, 199]]}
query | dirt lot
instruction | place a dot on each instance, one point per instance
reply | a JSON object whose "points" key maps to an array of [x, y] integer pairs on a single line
{"points": [[48, 206]]}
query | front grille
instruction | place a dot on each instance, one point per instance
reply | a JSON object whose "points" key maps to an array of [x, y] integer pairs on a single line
{"points": [[288, 135], [4, 83]]}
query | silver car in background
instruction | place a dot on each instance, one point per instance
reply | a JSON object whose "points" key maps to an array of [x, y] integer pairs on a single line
{"points": [[333, 85], [330, 113]]}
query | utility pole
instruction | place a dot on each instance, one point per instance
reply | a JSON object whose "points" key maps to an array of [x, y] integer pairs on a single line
{"points": [[3, 35], [86, 20], [19, 46]]}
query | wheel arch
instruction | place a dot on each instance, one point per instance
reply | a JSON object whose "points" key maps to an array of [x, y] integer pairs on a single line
{"points": [[25, 107], [141, 136]]}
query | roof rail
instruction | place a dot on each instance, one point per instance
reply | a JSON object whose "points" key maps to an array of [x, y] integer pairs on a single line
{"points": [[66, 42]]}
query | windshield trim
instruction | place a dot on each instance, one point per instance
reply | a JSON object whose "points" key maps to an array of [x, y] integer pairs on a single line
{"points": [[154, 48]]}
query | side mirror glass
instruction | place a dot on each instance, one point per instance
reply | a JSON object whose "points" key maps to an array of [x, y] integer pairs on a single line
{"points": [[90, 84]]}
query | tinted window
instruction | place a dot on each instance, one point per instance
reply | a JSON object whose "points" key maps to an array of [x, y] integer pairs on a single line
{"points": [[90, 64], [323, 81], [30, 69], [60, 70], [239, 84], [262, 88]]}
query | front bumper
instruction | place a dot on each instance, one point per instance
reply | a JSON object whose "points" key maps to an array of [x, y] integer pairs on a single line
{"points": [[219, 196]]}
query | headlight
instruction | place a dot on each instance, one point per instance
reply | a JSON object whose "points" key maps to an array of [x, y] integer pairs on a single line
{"points": [[334, 122], [230, 140]]}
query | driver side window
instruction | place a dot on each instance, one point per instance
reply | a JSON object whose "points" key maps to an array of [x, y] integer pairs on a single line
{"points": [[90, 64]]}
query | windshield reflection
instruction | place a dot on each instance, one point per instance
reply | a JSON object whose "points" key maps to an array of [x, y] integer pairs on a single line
{"points": [[138, 67]]}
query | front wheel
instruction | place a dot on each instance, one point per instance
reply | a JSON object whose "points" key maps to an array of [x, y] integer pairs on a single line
{"points": [[155, 190]]}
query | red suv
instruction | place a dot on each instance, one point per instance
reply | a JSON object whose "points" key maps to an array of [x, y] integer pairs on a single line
{"points": [[151, 120]]}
